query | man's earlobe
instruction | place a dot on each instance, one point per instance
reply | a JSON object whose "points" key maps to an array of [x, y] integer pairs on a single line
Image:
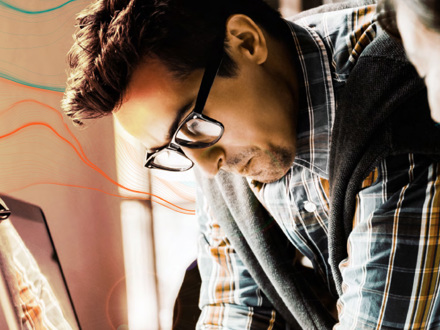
{"points": [[246, 37]]}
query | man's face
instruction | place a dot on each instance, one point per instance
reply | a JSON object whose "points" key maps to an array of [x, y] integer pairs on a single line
{"points": [[255, 109], [423, 49], [257, 106]]}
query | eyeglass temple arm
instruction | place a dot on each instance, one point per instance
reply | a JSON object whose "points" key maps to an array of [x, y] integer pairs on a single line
{"points": [[211, 71]]}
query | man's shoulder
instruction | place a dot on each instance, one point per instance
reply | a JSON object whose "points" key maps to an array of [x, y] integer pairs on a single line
{"points": [[333, 7]]}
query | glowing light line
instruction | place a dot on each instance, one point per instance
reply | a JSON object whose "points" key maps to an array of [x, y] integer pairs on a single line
{"points": [[90, 164], [33, 12], [15, 81], [174, 190], [189, 212], [107, 303], [81, 152]]}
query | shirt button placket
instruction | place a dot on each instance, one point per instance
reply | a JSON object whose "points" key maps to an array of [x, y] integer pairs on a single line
{"points": [[309, 206]]}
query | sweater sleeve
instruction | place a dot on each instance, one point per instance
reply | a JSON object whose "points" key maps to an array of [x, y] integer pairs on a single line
{"points": [[229, 298]]}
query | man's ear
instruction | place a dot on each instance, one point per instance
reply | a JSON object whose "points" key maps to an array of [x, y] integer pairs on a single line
{"points": [[244, 36]]}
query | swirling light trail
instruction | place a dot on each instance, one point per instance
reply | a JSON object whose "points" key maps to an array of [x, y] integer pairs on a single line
{"points": [[81, 154], [33, 12], [4, 78]]}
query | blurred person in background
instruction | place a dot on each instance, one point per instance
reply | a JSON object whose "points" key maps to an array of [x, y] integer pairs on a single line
{"points": [[417, 23]]}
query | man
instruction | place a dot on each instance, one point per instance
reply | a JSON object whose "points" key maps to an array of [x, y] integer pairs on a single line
{"points": [[305, 141]]}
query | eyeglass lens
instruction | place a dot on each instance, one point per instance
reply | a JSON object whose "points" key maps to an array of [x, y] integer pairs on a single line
{"points": [[198, 132], [172, 160], [194, 133]]}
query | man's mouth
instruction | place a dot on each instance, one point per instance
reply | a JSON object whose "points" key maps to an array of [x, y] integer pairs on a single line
{"points": [[245, 169], [248, 171]]}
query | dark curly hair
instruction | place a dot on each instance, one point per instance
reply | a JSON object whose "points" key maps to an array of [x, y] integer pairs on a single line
{"points": [[115, 36], [427, 11]]}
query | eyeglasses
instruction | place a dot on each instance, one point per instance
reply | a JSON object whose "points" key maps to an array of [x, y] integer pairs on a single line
{"points": [[195, 131]]}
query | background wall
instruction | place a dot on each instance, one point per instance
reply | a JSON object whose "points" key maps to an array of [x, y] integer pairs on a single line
{"points": [[45, 161], [89, 182]]}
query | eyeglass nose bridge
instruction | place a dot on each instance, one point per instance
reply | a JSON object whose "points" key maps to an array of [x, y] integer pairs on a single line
{"points": [[174, 147]]}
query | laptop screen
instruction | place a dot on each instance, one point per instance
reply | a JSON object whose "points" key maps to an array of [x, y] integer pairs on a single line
{"points": [[30, 223]]}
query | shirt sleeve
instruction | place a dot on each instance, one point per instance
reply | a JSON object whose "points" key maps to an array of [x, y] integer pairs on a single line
{"points": [[391, 277], [36, 304], [229, 298]]}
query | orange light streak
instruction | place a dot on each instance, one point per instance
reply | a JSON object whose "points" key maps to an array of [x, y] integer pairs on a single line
{"points": [[81, 153], [187, 212], [175, 190]]}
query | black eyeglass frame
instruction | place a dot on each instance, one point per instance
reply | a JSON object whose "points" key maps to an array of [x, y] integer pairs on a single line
{"points": [[209, 75]]}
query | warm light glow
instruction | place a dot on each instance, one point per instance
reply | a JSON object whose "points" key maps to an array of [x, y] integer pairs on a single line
{"points": [[138, 256]]}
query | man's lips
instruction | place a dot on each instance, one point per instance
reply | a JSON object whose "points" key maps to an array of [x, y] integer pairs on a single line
{"points": [[248, 170], [245, 169]]}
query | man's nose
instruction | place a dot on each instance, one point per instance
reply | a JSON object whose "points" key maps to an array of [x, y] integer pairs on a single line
{"points": [[210, 160]]}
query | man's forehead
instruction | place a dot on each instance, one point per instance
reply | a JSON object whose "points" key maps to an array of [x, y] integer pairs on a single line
{"points": [[142, 125], [153, 102]]}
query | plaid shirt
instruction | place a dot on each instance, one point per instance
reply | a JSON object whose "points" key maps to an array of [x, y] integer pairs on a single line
{"points": [[391, 276]]}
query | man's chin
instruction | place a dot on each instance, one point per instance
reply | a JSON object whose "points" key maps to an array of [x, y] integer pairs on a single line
{"points": [[261, 169], [267, 176]]}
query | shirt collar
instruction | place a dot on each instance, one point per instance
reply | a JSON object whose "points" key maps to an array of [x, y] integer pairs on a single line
{"points": [[316, 100]]}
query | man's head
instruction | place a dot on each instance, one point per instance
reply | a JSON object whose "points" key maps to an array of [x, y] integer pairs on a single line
{"points": [[144, 61], [417, 24]]}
